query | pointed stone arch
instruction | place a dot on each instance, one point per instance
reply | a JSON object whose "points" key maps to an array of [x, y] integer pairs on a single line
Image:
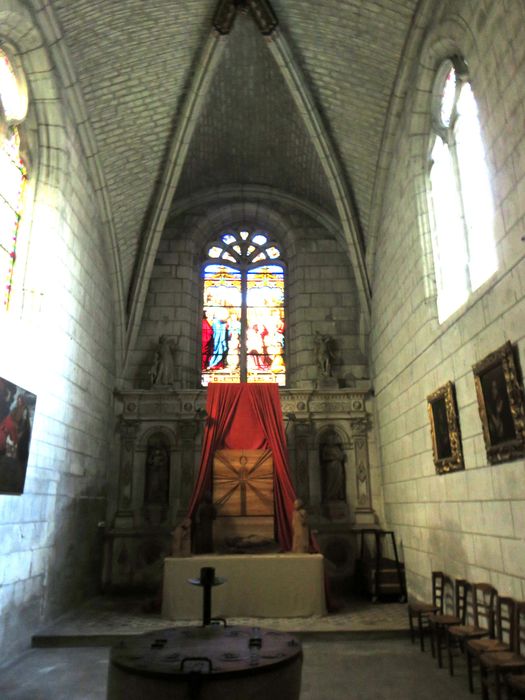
{"points": [[178, 150]]}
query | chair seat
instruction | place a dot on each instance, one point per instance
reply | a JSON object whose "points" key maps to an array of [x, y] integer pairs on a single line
{"points": [[517, 683], [419, 607], [508, 659], [445, 619], [467, 631], [480, 646]]}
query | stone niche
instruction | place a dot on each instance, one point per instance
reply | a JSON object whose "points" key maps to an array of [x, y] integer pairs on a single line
{"points": [[159, 440]]}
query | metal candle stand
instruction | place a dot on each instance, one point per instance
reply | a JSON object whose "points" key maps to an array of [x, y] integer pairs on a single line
{"points": [[207, 580], [192, 663]]}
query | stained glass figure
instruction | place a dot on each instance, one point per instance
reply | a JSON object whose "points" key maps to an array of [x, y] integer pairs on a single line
{"points": [[243, 314]]}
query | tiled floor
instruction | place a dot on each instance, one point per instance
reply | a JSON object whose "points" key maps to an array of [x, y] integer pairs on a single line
{"points": [[360, 653], [107, 617], [355, 669]]}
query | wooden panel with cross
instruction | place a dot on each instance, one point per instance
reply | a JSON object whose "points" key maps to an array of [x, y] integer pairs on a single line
{"points": [[243, 483]]}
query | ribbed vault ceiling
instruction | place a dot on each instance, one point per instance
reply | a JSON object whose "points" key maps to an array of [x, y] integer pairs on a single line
{"points": [[135, 62], [250, 131]]}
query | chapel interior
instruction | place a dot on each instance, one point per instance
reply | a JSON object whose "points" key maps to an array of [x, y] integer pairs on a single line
{"points": [[327, 197]]}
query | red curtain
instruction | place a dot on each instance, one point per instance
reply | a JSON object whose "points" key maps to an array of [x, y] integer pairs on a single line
{"points": [[248, 416]]}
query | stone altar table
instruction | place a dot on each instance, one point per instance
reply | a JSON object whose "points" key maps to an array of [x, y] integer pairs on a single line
{"points": [[258, 585]]}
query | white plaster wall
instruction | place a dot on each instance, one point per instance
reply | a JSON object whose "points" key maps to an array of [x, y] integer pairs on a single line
{"points": [[57, 342], [469, 523]]}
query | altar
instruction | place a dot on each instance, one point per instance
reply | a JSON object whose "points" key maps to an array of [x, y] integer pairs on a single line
{"points": [[258, 585]]}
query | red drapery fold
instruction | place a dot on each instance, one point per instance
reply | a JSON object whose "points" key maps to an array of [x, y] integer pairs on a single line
{"points": [[221, 408], [267, 407], [248, 416]]}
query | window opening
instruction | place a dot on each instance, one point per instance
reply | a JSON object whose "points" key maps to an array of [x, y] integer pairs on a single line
{"points": [[243, 310], [461, 200], [13, 173]]}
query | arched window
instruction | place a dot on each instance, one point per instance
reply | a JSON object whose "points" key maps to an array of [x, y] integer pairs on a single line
{"points": [[13, 174], [243, 310], [461, 200]]}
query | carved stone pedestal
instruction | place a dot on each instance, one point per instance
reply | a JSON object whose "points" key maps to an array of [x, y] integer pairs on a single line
{"points": [[336, 511]]}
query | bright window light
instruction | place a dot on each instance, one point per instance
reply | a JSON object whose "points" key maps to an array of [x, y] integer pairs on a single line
{"points": [[461, 202]]}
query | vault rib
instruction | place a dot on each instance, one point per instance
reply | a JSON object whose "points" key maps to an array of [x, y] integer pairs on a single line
{"points": [[304, 102], [178, 151]]}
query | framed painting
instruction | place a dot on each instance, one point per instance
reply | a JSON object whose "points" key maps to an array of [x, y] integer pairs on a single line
{"points": [[17, 411], [499, 389], [444, 428]]}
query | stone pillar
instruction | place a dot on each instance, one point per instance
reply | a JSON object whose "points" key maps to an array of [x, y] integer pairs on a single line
{"points": [[188, 430], [128, 434], [302, 440], [364, 511]]}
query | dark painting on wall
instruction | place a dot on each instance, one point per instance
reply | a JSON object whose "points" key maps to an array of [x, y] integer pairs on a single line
{"points": [[444, 427], [499, 389], [17, 411]]}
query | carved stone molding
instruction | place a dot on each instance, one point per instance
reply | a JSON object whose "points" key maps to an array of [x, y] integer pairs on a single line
{"points": [[312, 404], [360, 426], [364, 501], [128, 432]]}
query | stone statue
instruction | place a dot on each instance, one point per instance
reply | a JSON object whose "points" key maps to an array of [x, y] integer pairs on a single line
{"points": [[301, 536], [203, 521], [181, 539], [156, 488], [332, 469], [162, 371], [324, 351]]}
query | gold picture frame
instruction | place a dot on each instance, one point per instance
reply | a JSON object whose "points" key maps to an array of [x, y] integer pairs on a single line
{"points": [[17, 414], [499, 389], [445, 431]]}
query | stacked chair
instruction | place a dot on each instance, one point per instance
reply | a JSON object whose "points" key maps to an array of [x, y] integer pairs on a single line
{"points": [[483, 602], [489, 630], [453, 613], [420, 612], [505, 631], [516, 686], [496, 666]]}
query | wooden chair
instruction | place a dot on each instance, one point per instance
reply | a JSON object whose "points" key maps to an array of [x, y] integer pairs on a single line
{"points": [[495, 665], [420, 612], [515, 686], [504, 639], [483, 597], [453, 613]]}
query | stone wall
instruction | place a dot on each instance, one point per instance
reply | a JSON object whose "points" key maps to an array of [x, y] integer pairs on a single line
{"points": [[469, 523], [57, 341], [321, 294], [170, 424]]}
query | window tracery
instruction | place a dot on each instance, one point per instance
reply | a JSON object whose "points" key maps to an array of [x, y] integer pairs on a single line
{"points": [[461, 205], [243, 310]]}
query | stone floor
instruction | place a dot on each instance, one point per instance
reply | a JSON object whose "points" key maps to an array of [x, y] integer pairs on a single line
{"points": [[355, 669], [102, 619], [360, 653]]}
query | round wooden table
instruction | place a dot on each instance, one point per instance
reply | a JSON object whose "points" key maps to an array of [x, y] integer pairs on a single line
{"points": [[206, 663]]}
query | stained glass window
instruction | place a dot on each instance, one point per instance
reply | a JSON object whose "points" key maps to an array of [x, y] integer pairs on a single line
{"points": [[461, 201], [243, 310], [13, 174]]}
